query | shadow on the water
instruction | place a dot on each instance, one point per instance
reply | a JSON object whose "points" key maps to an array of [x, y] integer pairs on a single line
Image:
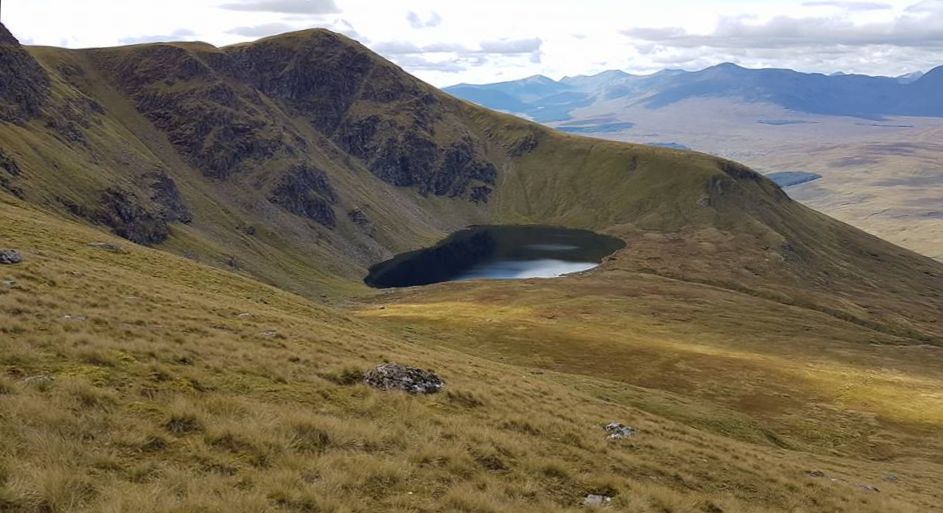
{"points": [[497, 252]]}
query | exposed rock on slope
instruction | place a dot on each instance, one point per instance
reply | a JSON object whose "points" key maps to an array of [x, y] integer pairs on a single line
{"points": [[393, 123], [393, 376], [306, 192], [24, 84], [166, 196], [216, 124], [122, 211]]}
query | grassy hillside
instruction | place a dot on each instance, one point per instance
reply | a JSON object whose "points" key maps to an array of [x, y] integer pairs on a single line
{"points": [[142, 381], [772, 358], [304, 158]]}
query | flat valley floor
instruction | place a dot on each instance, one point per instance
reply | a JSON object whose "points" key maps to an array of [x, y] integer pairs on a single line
{"points": [[884, 176]]}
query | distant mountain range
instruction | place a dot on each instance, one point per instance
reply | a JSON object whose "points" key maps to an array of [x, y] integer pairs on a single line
{"points": [[547, 100]]}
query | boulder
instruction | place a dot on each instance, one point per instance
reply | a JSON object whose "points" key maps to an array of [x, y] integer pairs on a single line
{"points": [[9, 256], [392, 376], [596, 500], [616, 431]]}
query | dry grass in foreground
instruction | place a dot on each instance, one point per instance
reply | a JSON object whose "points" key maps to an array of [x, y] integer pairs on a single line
{"points": [[139, 381]]}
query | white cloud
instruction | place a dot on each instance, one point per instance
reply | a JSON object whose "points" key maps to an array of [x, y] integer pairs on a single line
{"points": [[921, 27], [266, 29], [177, 35], [417, 22], [284, 6], [449, 41], [511, 46], [849, 6]]}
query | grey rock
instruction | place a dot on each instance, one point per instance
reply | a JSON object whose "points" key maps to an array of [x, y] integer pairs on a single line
{"points": [[617, 431], [891, 478], [596, 500], [9, 256], [867, 488], [392, 376], [41, 381]]}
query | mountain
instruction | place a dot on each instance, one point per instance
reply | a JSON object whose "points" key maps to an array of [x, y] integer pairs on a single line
{"points": [[836, 94], [188, 326], [518, 96], [908, 78]]}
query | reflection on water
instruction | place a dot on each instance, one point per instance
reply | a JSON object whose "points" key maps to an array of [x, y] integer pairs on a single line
{"points": [[520, 269], [552, 247], [497, 252]]}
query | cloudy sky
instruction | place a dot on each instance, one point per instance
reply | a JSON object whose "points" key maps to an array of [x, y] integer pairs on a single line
{"points": [[447, 42]]}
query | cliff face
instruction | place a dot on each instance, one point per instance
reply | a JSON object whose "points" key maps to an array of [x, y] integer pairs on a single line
{"points": [[24, 85]]}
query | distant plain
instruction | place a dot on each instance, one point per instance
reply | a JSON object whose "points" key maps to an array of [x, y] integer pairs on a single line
{"points": [[884, 176]]}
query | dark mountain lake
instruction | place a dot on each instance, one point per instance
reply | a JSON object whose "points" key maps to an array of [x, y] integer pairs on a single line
{"points": [[497, 253]]}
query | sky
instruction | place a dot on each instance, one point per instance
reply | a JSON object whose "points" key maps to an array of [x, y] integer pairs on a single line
{"points": [[448, 42]]}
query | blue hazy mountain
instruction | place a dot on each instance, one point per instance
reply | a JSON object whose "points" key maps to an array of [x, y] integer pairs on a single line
{"points": [[537, 97], [838, 94]]}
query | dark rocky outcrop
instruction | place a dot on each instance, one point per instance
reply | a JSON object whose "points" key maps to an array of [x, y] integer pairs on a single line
{"points": [[358, 217], [306, 192], [319, 77], [524, 145], [412, 158], [24, 84], [216, 124], [392, 376], [8, 170], [123, 212], [166, 196], [350, 95], [8, 164]]}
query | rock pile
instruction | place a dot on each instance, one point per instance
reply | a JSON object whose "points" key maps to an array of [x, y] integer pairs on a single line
{"points": [[9, 256], [596, 500], [392, 376], [616, 431]]}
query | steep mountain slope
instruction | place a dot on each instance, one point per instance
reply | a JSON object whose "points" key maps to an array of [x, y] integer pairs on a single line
{"points": [[837, 95]]}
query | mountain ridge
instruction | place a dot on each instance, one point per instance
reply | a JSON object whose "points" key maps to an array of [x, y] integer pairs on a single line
{"points": [[837, 94]]}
